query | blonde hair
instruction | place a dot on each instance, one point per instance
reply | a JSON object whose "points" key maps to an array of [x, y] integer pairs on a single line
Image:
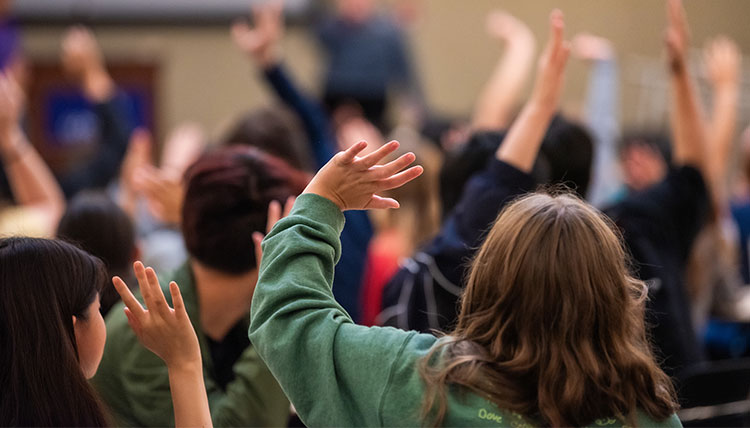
{"points": [[551, 324]]}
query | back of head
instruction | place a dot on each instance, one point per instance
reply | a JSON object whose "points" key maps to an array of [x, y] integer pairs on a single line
{"points": [[644, 158], [226, 201], [99, 226], [551, 323], [275, 131], [43, 285], [566, 155]]}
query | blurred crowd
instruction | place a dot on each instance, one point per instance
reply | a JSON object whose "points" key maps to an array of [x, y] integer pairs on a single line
{"points": [[191, 207]]}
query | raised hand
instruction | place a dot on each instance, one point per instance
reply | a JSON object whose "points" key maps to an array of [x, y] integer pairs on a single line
{"points": [[677, 35], [163, 191], [723, 60], [169, 334], [137, 155], [352, 182], [165, 331], [501, 93], [506, 27], [183, 146], [274, 215], [588, 47], [521, 145], [551, 67], [82, 59], [261, 42]]}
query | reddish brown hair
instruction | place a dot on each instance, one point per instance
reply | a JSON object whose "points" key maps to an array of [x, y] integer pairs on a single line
{"points": [[227, 193]]}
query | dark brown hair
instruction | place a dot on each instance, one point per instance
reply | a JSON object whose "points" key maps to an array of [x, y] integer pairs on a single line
{"points": [[276, 131], [96, 224], [43, 285], [551, 324], [226, 201]]}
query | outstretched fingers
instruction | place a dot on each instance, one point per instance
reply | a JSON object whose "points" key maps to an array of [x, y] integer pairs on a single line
{"points": [[380, 203], [373, 158], [395, 166], [177, 302], [559, 47], [158, 299], [127, 297], [347, 157], [150, 290], [401, 178]]}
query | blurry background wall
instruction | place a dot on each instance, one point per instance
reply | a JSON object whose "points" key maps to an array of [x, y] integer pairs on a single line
{"points": [[203, 77]]}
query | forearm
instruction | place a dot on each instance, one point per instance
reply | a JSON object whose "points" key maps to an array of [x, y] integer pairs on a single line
{"points": [[602, 113], [314, 119], [502, 92], [189, 397], [521, 145], [31, 180], [721, 134], [688, 128]]}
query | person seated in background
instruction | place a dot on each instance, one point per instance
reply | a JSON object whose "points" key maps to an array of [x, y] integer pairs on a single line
{"points": [[97, 225], [52, 335], [227, 195], [82, 60], [551, 330], [39, 201]]}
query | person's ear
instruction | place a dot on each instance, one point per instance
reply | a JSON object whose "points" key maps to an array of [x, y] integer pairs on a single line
{"points": [[74, 320]]}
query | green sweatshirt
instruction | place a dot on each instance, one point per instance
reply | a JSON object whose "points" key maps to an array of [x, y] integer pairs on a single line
{"points": [[134, 383], [337, 373]]}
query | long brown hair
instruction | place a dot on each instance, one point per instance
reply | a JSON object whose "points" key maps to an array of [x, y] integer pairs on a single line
{"points": [[43, 285], [551, 324]]}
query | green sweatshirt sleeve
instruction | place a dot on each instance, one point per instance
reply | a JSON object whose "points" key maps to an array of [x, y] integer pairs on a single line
{"points": [[335, 373]]}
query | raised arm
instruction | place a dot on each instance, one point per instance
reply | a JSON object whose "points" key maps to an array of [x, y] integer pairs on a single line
{"points": [[262, 44], [688, 127], [723, 60], [521, 145], [31, 181], [83, 61], [168, 333], [310, 344], [503, 90], [601, 110]]}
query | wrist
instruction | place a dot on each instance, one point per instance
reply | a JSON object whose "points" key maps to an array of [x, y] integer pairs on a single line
{"points": [[539, 109], [11, 144], [185, 367], [324, 194], [97, 84], [522, 41], [268, 59]]}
